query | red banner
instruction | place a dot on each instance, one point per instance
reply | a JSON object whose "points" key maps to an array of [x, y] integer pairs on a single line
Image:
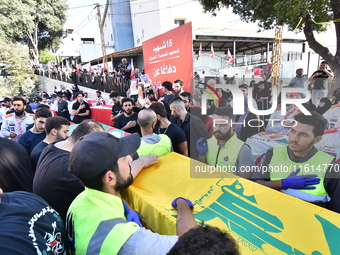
{"points": [[168, 57]]}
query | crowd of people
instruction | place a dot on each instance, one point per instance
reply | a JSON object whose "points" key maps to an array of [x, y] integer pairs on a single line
{"points": [[64, 189]]}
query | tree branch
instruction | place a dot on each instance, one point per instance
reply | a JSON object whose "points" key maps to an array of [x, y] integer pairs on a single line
{"points": [[314, 45]]}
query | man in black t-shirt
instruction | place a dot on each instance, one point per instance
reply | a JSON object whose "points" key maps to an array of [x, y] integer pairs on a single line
{"points": [[128, 120], [192, 126], [174, 132], [320, 78], [52, 180], [116, 108], [80, 109]]}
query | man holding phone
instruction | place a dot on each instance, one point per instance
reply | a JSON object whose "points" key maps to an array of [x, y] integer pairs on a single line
{"points": [[320, 78]]}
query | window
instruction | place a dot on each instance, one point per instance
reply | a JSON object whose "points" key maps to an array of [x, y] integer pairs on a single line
{"points": [[179, 22]]}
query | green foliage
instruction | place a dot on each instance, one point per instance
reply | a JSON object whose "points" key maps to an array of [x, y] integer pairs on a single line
{"points": [[268, 13], [39, 23], [16, 58], [36, 89], [45, 57]]}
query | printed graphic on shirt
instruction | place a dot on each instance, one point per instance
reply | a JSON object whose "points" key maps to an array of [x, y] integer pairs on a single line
{"points": [[53, 237]]}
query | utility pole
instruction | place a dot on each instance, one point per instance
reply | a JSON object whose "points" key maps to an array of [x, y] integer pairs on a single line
{"points": [[101, 26]]}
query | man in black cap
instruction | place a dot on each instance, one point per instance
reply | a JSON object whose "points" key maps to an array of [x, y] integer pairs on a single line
{"points": [[7, 106], [99, 97], [97, 221]]}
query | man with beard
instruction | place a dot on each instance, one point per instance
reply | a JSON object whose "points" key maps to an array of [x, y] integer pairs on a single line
{"points": [[15, 124], [299, 169], [178, 87], [80, 109], [125, 70], [116, 108], [192, 126], [7, 106], [37, 133], [56, 128], [174, 132], [224, 149], [128, 120], [98, 222]]}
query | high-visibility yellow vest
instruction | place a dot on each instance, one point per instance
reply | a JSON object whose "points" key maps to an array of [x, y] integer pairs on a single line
{"points": [[226, 155], [161, 148], [281, 166], [96, 223]]}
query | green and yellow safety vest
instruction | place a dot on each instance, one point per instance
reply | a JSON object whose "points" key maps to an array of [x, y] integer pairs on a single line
{"points": [[161, 148], [224, 156], [281, 166], [96, 223]]}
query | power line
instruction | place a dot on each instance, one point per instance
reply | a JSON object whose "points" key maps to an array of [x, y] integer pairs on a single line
{"points": [[85, 24], [84, 19], [77, 7], [170, 6]]}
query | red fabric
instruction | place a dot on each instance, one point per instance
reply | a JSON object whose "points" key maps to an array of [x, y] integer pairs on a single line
{"points": [[102, 115], [212, 52], [168, 56], [94, 102]]}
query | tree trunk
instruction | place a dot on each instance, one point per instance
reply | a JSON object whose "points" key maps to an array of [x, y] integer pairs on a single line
{"points": [[332, 60], [33, 45]]}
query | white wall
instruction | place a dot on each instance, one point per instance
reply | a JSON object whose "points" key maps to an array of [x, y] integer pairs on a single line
{"points": [[90, 51]]}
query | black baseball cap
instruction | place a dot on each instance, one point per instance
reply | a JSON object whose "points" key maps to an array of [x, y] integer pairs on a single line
{"points": [[150, 92], [95, 152], [6, 99]]}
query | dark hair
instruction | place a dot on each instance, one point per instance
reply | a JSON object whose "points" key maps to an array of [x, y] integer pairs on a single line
{"points": [[316, 120], [323, 62], [126, 99], [98, 92], [114, 94], [42, 112], [203, 240], [186, 94], [224, 111], [97, 181], [327, 105], [84, 128], [55, 122], [42, 106], [243, 86], [252, 82], [80, 93], [167, 85], [159, 109], [180, 82], [17, 98], [177, 102]]}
